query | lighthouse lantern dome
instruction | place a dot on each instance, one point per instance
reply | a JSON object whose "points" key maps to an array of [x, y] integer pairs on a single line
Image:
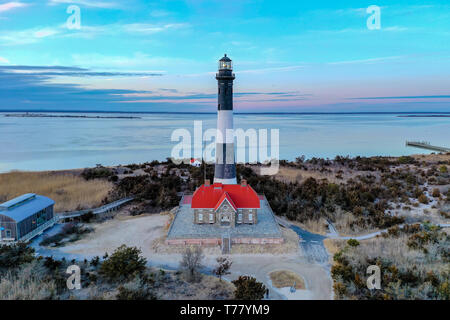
{"points": [[225, 63]]}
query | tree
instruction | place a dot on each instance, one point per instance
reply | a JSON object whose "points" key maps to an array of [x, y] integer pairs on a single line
{"points": [[223, 267], [192, 262], [123, 263], [247, 288]]}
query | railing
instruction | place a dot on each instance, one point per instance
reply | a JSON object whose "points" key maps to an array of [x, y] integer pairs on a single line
{"points": [[102, 209], [39, 229]]}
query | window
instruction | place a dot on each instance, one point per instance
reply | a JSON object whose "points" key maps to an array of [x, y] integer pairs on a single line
{"points": [[200, 217], [211, 217], [219, 90], [240, 217], [8, 233], [250, 217]]}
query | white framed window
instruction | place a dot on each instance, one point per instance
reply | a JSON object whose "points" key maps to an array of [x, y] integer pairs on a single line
{"points": [[250, 217], [200, 217], [240, 217], [211, 217]]}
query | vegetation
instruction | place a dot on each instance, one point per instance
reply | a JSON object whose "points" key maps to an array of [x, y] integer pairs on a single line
{"points": [[247, 288], [191, 262], [223, 267], [13, 256], [97, 173], [413, 261], [284, 278], [70, 232], [125, 262], [69, 191]]}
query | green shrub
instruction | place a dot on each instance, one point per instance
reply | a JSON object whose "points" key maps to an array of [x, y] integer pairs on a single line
{"points": [[247, 288], [12, 256], [443, 169], [353, 242], [125, 262]]}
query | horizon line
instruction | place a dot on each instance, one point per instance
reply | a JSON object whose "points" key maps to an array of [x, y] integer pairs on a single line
{"points": [[203, 112]]}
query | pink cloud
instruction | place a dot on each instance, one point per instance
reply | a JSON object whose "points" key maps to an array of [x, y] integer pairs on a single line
{"points": [[11, 5]]}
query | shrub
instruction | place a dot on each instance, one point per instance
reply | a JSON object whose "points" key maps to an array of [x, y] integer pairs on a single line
{"points": [[353, 242], [12, 256], [247, 288], [222, 268], [436, 193], [136, 290], [443, 169], [96, 173], [125, 262], [423, 199]]}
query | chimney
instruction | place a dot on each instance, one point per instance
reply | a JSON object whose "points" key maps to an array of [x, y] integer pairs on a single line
{"points": [[243, 183], [207, 183]]}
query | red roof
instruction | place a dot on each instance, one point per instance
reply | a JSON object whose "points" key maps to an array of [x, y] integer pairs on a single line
{"points": [[212, 196], [224, 196]]}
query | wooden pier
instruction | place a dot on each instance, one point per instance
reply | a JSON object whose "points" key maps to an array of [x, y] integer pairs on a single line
{"points": [[426, 145]]}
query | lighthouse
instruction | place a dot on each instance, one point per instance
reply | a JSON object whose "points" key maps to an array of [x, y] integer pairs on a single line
{"points": [[225, 168]]}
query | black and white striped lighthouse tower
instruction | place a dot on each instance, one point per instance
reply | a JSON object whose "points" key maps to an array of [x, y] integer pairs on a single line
{"points": [[225, 169]]}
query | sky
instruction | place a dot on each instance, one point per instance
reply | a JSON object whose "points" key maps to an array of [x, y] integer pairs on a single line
{"points": [[288, 56]]}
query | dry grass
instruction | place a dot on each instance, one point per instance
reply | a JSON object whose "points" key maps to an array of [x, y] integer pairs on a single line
{"points": [[284, 278], [314, 226], [69, 191], [333, 246], [27, 284]]}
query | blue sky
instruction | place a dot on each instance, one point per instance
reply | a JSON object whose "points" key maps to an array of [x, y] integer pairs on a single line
{"points": [[288, 56]]}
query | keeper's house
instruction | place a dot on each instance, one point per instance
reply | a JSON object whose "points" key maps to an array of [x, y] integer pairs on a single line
{"points": [[21, 217]]}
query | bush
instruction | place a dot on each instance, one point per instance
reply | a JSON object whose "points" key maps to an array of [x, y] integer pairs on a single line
{"points": [[125, 262], [247, 288], [96, 173], [353, 242], [12, 256], [443, 169], [436, 193], [423, 199]]}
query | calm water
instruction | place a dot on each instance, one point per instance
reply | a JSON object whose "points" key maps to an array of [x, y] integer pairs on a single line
{"points": [[65, 143]]}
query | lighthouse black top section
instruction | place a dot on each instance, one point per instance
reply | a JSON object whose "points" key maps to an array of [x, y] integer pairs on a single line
{"points": [[225, 78]]}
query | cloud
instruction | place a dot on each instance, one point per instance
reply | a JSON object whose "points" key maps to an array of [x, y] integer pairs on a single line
{"points": [[403, 97], [3, 60], [27, 36], [273, 69], [58, 71], [366, 61], [11, 5], [87, 3], [147, 28]]}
